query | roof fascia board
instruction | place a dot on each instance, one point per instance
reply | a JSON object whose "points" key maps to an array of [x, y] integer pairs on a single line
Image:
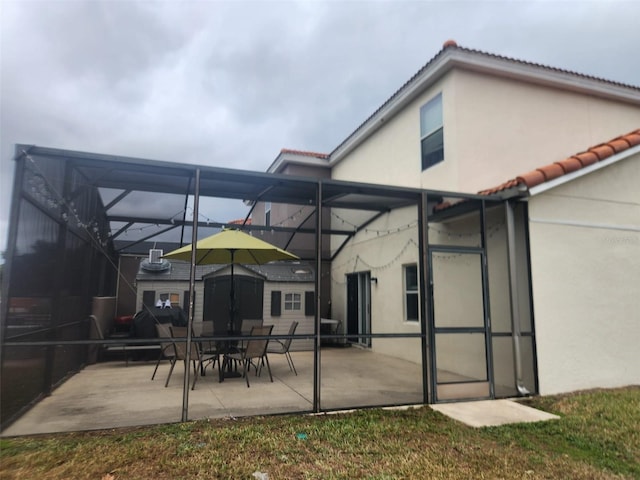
{"points": [[429, 76], [483, 63], [543, 187], [546, 76], [296, 159]]}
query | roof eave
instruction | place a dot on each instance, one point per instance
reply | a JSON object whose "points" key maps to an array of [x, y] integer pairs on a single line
{"points": [[287, 158], [451, 58], [439, 66], [543, 187]]}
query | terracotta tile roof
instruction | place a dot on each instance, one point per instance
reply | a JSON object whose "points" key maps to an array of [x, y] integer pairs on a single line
{"points": [[306, 154], [239, 221], [576, 162]]}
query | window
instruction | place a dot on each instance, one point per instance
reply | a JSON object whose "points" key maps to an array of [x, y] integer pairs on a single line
{"points": [[431, 132], [267, 214], [292, 301], [411, 293]]}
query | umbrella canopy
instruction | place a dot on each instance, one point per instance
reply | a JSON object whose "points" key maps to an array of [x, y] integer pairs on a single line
{"points": [[231, 246]]}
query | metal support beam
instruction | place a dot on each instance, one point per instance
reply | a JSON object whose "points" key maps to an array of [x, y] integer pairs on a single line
{"points": [[317, 342], [423, 273], [192, 287]]}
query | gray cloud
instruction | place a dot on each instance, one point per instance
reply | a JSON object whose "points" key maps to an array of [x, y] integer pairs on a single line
{"points": [[231, 83]]}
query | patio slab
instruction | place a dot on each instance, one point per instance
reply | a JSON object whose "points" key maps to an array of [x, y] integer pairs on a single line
{"points": [[115, 395]]}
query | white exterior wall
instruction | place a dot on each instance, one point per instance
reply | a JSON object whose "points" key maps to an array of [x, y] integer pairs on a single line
{"points": [[392, 155], [585, 264], [501, 128], [494, 129], [282, 323], [382, 250]]}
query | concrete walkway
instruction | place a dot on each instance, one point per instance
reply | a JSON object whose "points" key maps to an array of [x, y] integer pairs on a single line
{"points": [[490, 413]]}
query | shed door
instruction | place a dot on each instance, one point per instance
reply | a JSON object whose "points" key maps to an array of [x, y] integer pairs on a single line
{"points": [[217, 303], [460, 353]]}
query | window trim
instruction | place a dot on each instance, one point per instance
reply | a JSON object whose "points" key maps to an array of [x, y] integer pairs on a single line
{"points": [[267, 214], [406, 292], [293, 304], [436, 100]]}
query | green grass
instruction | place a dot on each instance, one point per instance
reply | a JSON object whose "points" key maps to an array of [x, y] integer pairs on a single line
{"points": [[597, 436]]}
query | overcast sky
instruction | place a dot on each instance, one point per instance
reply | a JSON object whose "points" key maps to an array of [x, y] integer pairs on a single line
{"points": [[231, 83]]}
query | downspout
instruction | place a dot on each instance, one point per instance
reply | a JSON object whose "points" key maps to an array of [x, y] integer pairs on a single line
{"points": [[513, 297]]}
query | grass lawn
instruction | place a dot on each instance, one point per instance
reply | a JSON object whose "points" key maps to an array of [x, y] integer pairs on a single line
{"points": [[598, 436]]}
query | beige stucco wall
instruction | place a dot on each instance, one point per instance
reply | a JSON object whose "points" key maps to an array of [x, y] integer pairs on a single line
{"points": [[585, 262], [494, 129], [501, 128], [382, 249]]}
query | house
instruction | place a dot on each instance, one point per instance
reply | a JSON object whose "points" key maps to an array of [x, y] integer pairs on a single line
{"points": [[566, 243], [279, 293], [482, 224]]}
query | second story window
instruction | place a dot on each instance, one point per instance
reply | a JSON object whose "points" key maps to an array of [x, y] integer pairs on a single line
{"points": [[267, 213], [431, 132]]}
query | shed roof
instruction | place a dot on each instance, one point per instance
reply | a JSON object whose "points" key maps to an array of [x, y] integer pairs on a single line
{"points": [[271, 272]]}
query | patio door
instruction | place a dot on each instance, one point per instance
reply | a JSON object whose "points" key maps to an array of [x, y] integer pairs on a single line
{"points": [[460, 324], [359, 308]]}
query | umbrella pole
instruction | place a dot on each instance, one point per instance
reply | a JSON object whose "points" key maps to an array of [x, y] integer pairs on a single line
{"points": [[232, 299]]}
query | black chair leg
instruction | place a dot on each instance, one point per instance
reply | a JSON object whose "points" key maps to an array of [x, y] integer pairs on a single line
{"points": [[291, 365], [157, 363], [173, 364]]}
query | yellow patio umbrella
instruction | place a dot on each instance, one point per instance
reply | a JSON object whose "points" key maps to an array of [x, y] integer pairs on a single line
{"points": [[231, 247]]}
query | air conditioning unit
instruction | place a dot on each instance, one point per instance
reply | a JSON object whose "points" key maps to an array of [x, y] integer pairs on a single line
{"points": [[155, 255]]}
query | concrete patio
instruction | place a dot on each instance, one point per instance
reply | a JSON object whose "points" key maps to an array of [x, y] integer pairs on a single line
{"points": [[115, 394]]}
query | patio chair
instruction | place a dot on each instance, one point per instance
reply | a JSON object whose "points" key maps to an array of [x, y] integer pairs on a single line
{"points": [[256, 351], [282, 347], [246, 325], [210, 350], [166, 348], [181, 354]]}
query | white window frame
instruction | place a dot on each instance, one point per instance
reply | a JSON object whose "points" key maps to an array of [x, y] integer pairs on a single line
{"points": [[406, 291], [292, 302], [267, 214], [431, 128]]}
